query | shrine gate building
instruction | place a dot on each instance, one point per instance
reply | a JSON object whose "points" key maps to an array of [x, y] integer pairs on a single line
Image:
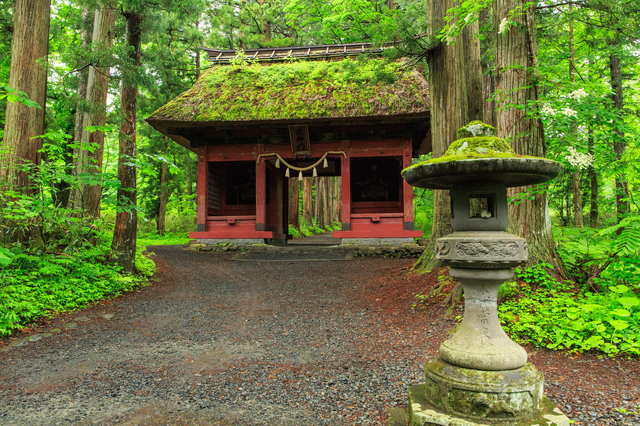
{"points": [[258, 117]]}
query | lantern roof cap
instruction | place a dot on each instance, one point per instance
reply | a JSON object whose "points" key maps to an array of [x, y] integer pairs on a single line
{"points": [[478, 155]]}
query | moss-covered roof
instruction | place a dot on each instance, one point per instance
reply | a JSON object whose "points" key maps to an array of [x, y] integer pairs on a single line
{"points": [[299, 90]]}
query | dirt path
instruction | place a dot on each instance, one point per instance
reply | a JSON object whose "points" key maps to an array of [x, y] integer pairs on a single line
{"points": [[217, 342]]}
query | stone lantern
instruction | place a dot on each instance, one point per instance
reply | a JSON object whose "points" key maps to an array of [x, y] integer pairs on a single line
{"points": [[481, 376]]}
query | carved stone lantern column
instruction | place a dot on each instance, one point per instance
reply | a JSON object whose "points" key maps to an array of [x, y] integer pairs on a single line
{"points": [[481, 375]]}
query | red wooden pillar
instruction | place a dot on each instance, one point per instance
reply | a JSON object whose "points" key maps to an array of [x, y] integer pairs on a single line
{"points": [[203, 170], [345, 173], [407, 189], [272, 222], [261, 190], [284, 184]]}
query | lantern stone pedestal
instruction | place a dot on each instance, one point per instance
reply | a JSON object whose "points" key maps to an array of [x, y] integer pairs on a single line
{"points": [[481, 376]]}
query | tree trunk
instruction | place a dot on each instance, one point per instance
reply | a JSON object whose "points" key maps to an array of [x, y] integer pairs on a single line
{"points": [[577, 199], [123, 247], [87, 197], [577, 190], [337, 197], [326, 202], [164, 193], [81, 102], [319, 202], [307, 200], [28, 73], [516, 61], [189, 168], [197, 56], [593, 181], [622, 186], [267, 31], [455, 83], [488, 77], [294, 203], [82, 76]]}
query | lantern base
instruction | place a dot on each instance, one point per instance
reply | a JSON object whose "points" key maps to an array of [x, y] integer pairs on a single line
{"points": [[459, 396], [455, 396], [420, 413]]}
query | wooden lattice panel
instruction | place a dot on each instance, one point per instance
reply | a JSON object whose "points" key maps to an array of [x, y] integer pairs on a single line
{"points": [[214, 195]]}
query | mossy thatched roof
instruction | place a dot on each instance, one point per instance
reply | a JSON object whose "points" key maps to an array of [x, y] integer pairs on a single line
{"points": [[299, 90]]}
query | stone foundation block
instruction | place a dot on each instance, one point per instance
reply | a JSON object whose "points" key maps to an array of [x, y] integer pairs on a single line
{"points": [[477, 394], [234, 241], [394, 242], [421, 413]]}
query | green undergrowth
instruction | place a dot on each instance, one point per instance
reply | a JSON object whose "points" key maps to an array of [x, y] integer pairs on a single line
{"points": [[169, 238], [598, 310], [40, 285], [312, 228], [578, 322]]}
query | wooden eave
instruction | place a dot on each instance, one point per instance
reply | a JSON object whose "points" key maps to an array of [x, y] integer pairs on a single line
{"points": [[306, 52], [192, 135]]}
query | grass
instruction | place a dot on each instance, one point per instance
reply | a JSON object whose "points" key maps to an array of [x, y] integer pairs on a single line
{"points": [[171, 238]]}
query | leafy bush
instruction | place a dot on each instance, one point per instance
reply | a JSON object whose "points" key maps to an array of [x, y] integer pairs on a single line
{"points": [[311, 228], [33, 287], [609, 322], [423, 210], [294, 232], [51, 258], [595, 258], [561, 316]]}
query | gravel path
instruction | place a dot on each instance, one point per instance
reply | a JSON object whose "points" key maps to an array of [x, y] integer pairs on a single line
{"points": [[218, 342]]}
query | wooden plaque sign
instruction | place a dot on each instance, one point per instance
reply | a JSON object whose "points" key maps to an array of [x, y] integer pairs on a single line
{"points": [[300, 144]]}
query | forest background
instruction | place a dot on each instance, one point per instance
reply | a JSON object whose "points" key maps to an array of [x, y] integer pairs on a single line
{"points": [[98, 184]]}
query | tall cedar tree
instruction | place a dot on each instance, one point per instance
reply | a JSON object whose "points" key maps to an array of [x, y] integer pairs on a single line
{"points": [[81, 92], [123, 247], [87, 197], [615, 69], [455, 83], [577, 190], [164, 193], [516, 55], [29, 50]]}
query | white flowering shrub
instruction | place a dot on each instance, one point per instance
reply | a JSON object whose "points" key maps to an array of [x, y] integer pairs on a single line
{"points": [[578, 159], [504, 24], [568, 112]]}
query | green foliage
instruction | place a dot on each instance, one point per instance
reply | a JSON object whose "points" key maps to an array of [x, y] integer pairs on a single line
{"points": [[170, 238], [607, 322], [344, 21], [562, 316], [292, 231], [574, 317], [12, 95], [537, 275], [423, 210], [33, 286], [311, 228], [37, 218], [596, 257]]}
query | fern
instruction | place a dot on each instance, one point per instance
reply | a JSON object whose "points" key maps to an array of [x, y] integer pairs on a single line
{"points": [[628, 240]]}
